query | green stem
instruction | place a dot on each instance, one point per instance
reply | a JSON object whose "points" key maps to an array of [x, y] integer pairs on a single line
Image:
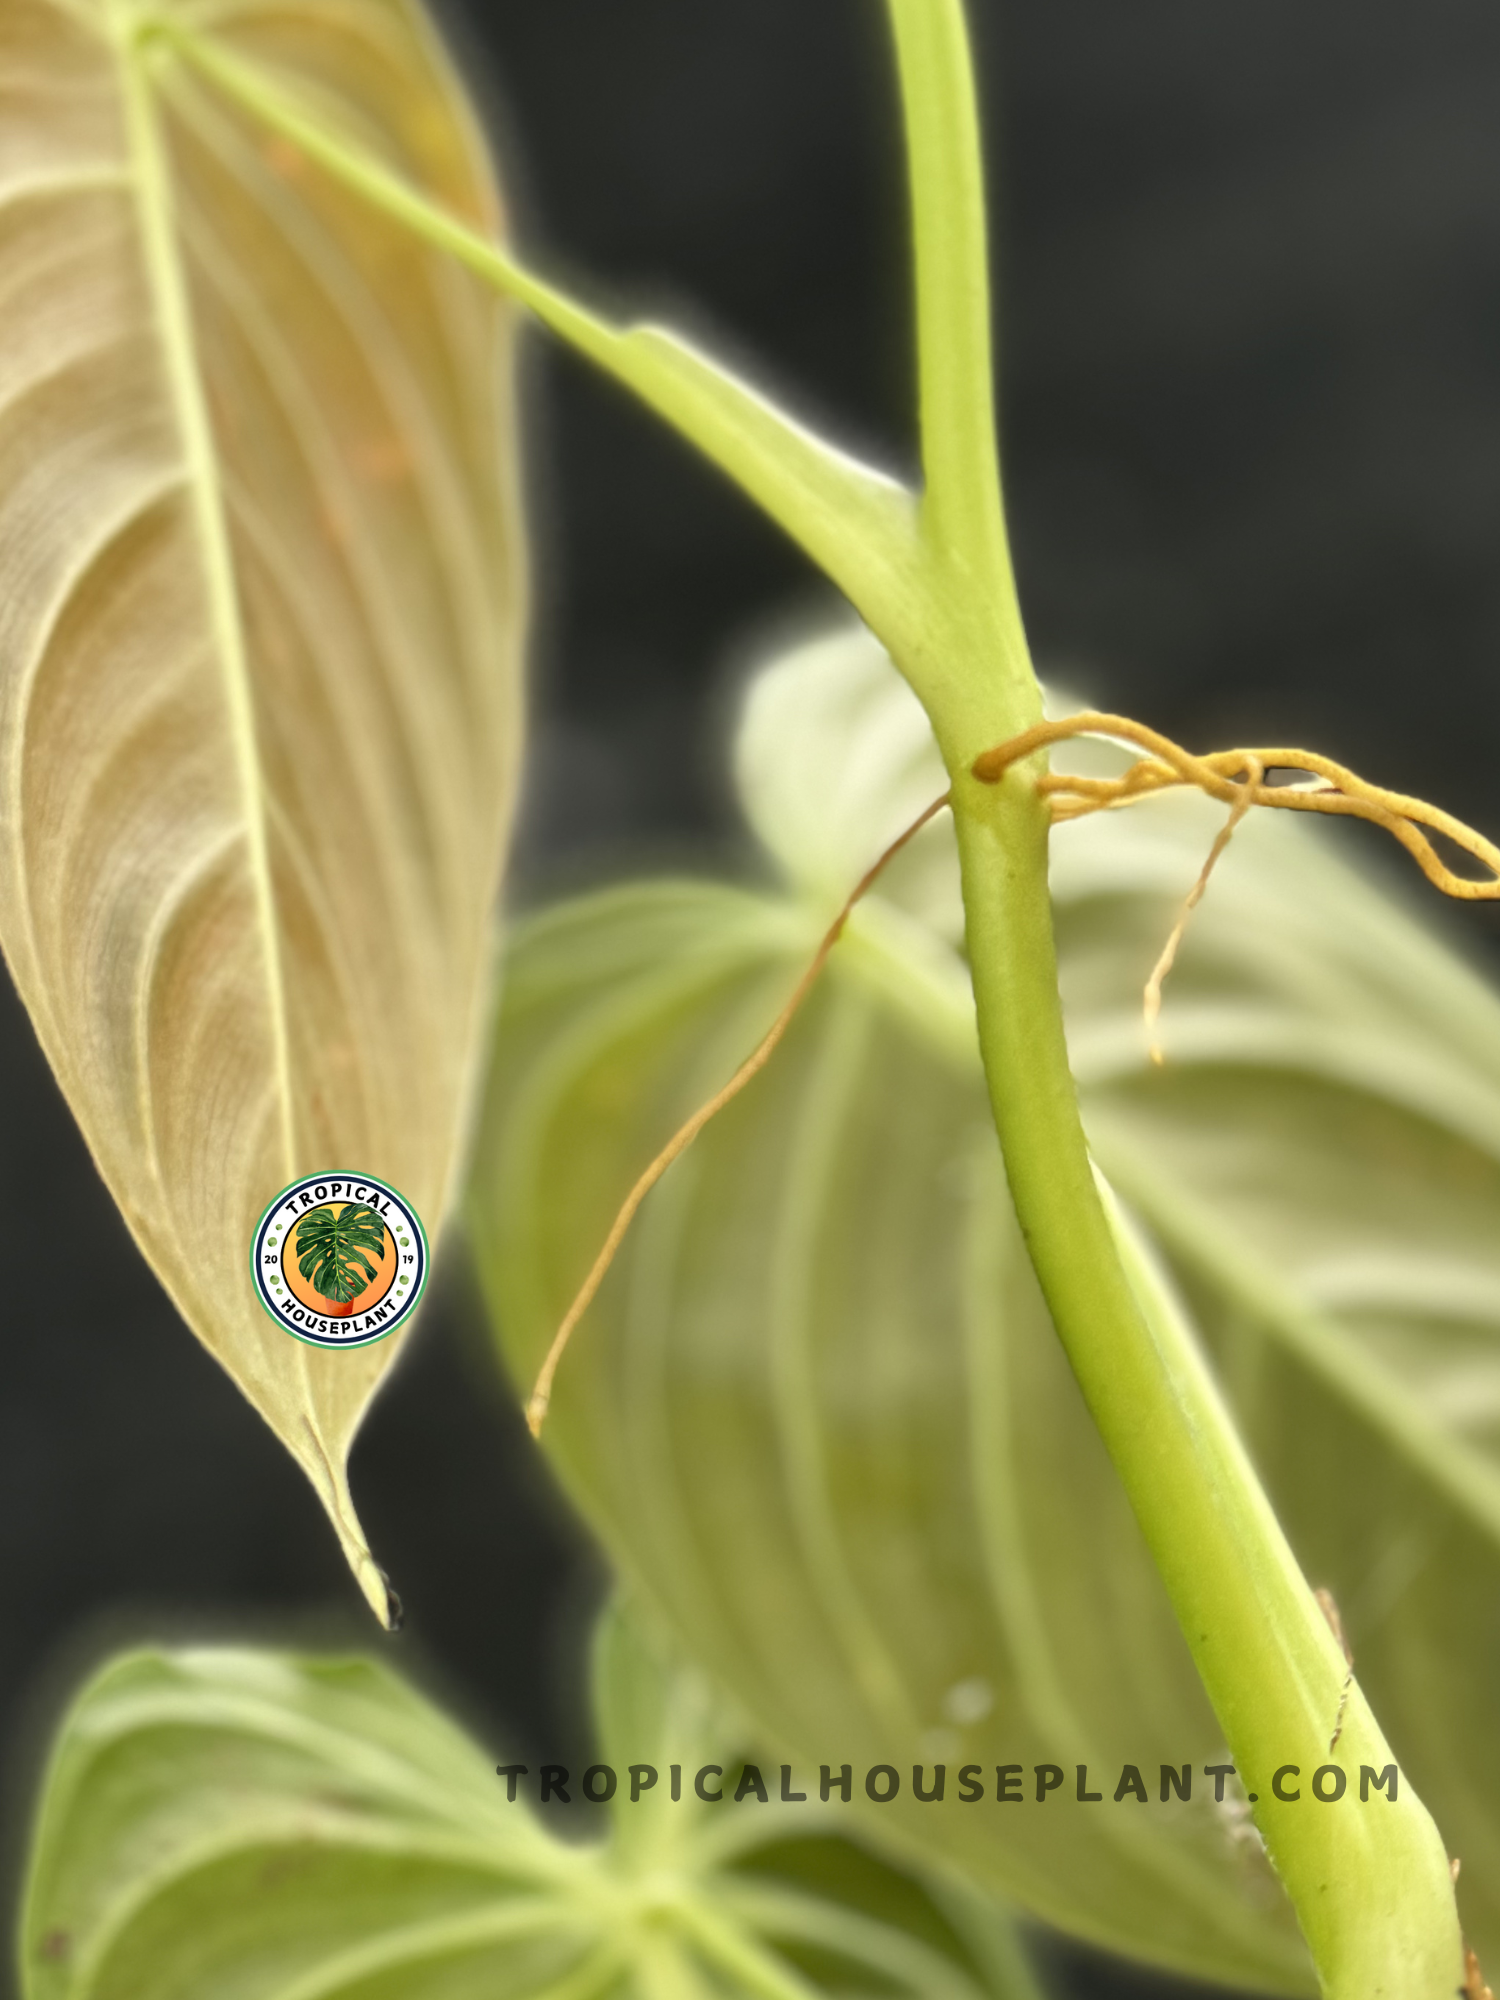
{"points": [[1370, 1882], [1372, 1889], [972, 636], [961, 508]]}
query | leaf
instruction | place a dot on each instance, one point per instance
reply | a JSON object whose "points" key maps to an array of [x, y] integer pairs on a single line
{"points": [[329, 1247], [818, 1413], [261, 599], [263, 1826]]}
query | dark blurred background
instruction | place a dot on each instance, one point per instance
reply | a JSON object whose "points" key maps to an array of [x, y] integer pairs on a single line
{"points": [[1249, 304]]}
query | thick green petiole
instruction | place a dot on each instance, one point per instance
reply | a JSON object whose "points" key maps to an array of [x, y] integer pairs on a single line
{"points": [[1372, 1889], [1370, 1881]]}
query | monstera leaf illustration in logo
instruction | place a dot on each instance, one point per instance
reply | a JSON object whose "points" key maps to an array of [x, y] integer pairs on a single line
{"points": [[332, 1247]]}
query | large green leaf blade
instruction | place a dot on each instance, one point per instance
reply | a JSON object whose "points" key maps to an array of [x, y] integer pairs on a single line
{"points": [[268, 1827], [818, 1411], [227, 1820], [261, 598], [791, 1418]]}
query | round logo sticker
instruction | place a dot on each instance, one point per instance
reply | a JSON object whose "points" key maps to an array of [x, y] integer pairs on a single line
{"points": [[339, 1260]]}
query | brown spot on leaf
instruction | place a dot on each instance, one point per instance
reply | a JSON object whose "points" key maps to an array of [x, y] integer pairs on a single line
{"points": [[382, 460], [283, 158]]}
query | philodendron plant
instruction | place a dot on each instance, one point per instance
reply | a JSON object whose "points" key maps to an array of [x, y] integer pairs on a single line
{"points": [[910, 1441]]}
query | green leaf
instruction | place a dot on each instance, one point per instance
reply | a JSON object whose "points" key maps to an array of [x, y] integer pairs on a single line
{"points": [[266, 1827], [263, 587], [329, 1246], [818, 1412]]}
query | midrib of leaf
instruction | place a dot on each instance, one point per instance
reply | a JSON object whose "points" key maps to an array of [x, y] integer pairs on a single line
{"points": [[1196, 1238], [151, 179]]}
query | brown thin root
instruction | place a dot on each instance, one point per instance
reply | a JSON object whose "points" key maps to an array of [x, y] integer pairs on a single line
{"points": [[1328, 1605], [1324, 787], [754, 1063], [1238, 779], [1151, 999]]}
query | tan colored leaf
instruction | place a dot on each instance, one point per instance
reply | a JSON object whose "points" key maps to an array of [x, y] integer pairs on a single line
{"points": [[261, 597]]}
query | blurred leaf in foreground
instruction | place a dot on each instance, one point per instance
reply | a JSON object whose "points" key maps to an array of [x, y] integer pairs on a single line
{"points": [[261, 597], [818, 1414], [260, 1826]]}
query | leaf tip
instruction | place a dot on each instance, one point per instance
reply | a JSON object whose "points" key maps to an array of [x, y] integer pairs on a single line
{"points": [[380, 1594], [394, 1616]]}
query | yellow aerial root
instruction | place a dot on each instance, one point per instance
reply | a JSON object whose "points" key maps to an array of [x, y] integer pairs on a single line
{"points": [[1239, 779]]}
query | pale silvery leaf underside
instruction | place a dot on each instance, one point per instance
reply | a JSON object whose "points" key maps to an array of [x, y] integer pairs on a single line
{"points": [[219, 1820], [818, 1412], [261, 598]]}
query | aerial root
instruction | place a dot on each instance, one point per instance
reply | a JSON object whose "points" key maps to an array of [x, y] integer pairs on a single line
{"points": [[1241, 779], [1151, 999], [754, 1063], [1238, 779]]}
